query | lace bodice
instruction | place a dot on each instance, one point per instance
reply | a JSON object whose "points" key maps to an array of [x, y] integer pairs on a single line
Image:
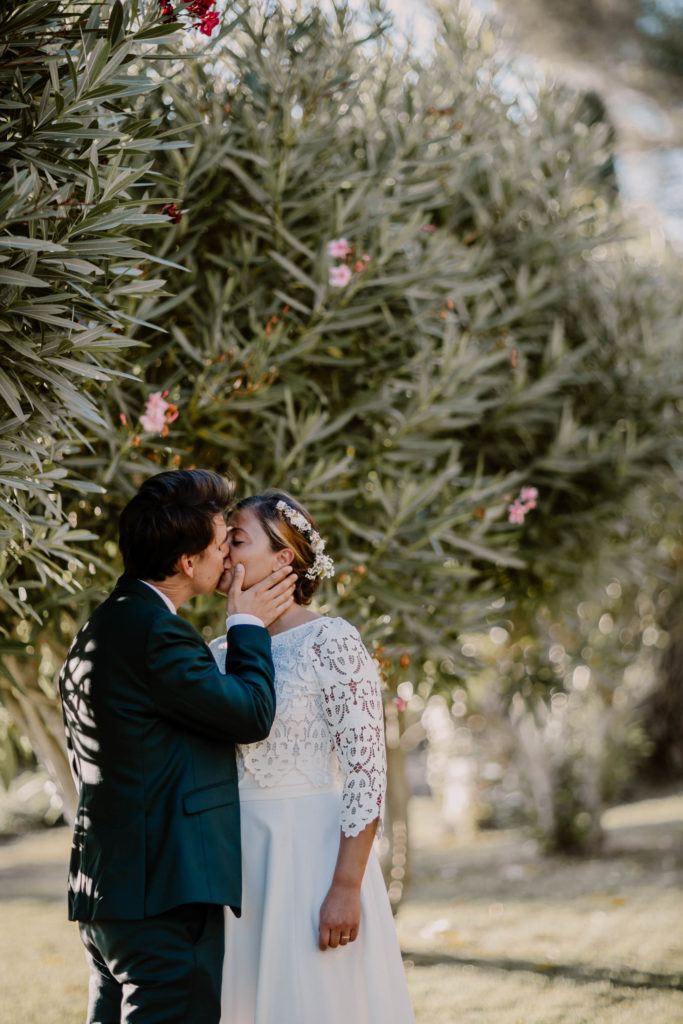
{"points": [[328, 726]]}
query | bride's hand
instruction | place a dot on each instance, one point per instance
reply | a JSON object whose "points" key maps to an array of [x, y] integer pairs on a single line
{"points": [[339, 916], [267, 599]]}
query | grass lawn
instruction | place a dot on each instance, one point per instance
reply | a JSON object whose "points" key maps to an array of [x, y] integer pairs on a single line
{"points": [[492, 932]]}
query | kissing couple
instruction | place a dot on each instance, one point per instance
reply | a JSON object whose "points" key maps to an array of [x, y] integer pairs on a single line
{"points": [[222, 867]]}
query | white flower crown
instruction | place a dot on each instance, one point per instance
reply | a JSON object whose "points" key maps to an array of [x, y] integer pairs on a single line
{"points": [[323, 565]]}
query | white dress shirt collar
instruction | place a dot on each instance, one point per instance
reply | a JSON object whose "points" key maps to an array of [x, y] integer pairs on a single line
{"points": [[167, 600]]}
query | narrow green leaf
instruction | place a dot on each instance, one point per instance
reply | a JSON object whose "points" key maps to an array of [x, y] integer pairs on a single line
{"points": [[11, 396], [36, 244], [18, 279], [115, 22]]}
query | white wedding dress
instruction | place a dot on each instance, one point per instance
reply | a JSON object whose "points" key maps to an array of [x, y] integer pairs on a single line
{"points": [[321, 769]]}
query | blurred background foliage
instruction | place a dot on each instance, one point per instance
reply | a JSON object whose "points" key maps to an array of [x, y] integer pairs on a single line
{"points": [[167, 221], [638, 38]]}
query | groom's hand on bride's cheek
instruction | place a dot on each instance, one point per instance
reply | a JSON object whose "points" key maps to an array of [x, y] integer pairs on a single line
{"points": [[267, 599], [223, 585]]}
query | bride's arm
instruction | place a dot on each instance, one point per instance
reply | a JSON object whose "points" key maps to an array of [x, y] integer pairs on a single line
{"points": [[352, 700], [340, 912]]}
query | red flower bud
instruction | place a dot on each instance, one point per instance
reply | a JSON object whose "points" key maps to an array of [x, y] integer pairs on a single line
{"points": [[173, 212]]}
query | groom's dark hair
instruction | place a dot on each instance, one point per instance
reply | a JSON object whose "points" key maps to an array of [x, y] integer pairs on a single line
{"points": [[171, 515]]}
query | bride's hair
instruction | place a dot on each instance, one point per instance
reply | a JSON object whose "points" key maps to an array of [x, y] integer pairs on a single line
{"points": [[283, 534]]}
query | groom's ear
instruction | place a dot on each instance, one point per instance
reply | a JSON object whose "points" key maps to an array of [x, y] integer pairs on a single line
{"points": [[185, 565]]}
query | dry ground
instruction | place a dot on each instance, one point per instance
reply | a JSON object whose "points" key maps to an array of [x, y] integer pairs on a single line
{"points": [[500, 935], [492, 932]]}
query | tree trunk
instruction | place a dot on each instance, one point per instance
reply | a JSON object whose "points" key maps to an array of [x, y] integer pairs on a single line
{"points": [[665, 707], [395, 859]]}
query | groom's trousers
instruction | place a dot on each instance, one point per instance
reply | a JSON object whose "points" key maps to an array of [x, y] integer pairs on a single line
{"points": [[159, 970]]}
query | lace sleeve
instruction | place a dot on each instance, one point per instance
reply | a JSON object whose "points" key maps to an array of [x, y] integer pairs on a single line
{"points": [[219, 649], [352, 703]]}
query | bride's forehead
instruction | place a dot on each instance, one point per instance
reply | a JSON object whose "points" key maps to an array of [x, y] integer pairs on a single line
{"points": [[243, 519]]}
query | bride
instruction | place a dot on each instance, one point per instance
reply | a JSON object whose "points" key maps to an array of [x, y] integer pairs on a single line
{"points": [[316, 939]]}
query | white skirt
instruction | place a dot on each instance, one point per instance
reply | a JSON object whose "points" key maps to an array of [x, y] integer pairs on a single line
{"points": [[274, 972]]}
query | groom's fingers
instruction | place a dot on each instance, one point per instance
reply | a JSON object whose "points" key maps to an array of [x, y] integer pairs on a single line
{"points": [[235, 578], [225, 582], [234, 589], [267, 599], [279, 581], [279, 595]]}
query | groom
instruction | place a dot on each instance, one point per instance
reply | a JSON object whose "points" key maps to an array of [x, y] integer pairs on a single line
{"points": [[151, 725]]}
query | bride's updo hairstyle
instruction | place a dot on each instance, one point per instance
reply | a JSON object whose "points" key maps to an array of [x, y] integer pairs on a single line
{"points": [[275, 510]]}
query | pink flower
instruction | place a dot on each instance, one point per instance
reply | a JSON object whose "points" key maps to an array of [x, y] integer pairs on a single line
{"points": [[340, 276], [166, 10], [172, 211], [516, 512], [209, 22], [338, 248], [400, 703], [428, 227], [202, 9], [209, 18], [523, 504], [154, 417], [529, 495]]}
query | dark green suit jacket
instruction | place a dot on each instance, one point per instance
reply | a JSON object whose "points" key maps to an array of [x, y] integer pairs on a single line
{"points": [[151, 725]]}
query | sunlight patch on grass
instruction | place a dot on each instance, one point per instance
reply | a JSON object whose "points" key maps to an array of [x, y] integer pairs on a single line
{"points": [[466, 995], [43, 973]]}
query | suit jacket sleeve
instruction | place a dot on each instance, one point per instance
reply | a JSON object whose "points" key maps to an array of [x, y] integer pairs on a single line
{"points": [[188, 688]]}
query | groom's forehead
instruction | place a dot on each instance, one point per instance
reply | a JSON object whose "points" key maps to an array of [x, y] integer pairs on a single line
{"points": [[220, 527]]}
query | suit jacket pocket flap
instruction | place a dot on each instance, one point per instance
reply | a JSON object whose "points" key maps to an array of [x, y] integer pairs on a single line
{"points": [[210, 796]]}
